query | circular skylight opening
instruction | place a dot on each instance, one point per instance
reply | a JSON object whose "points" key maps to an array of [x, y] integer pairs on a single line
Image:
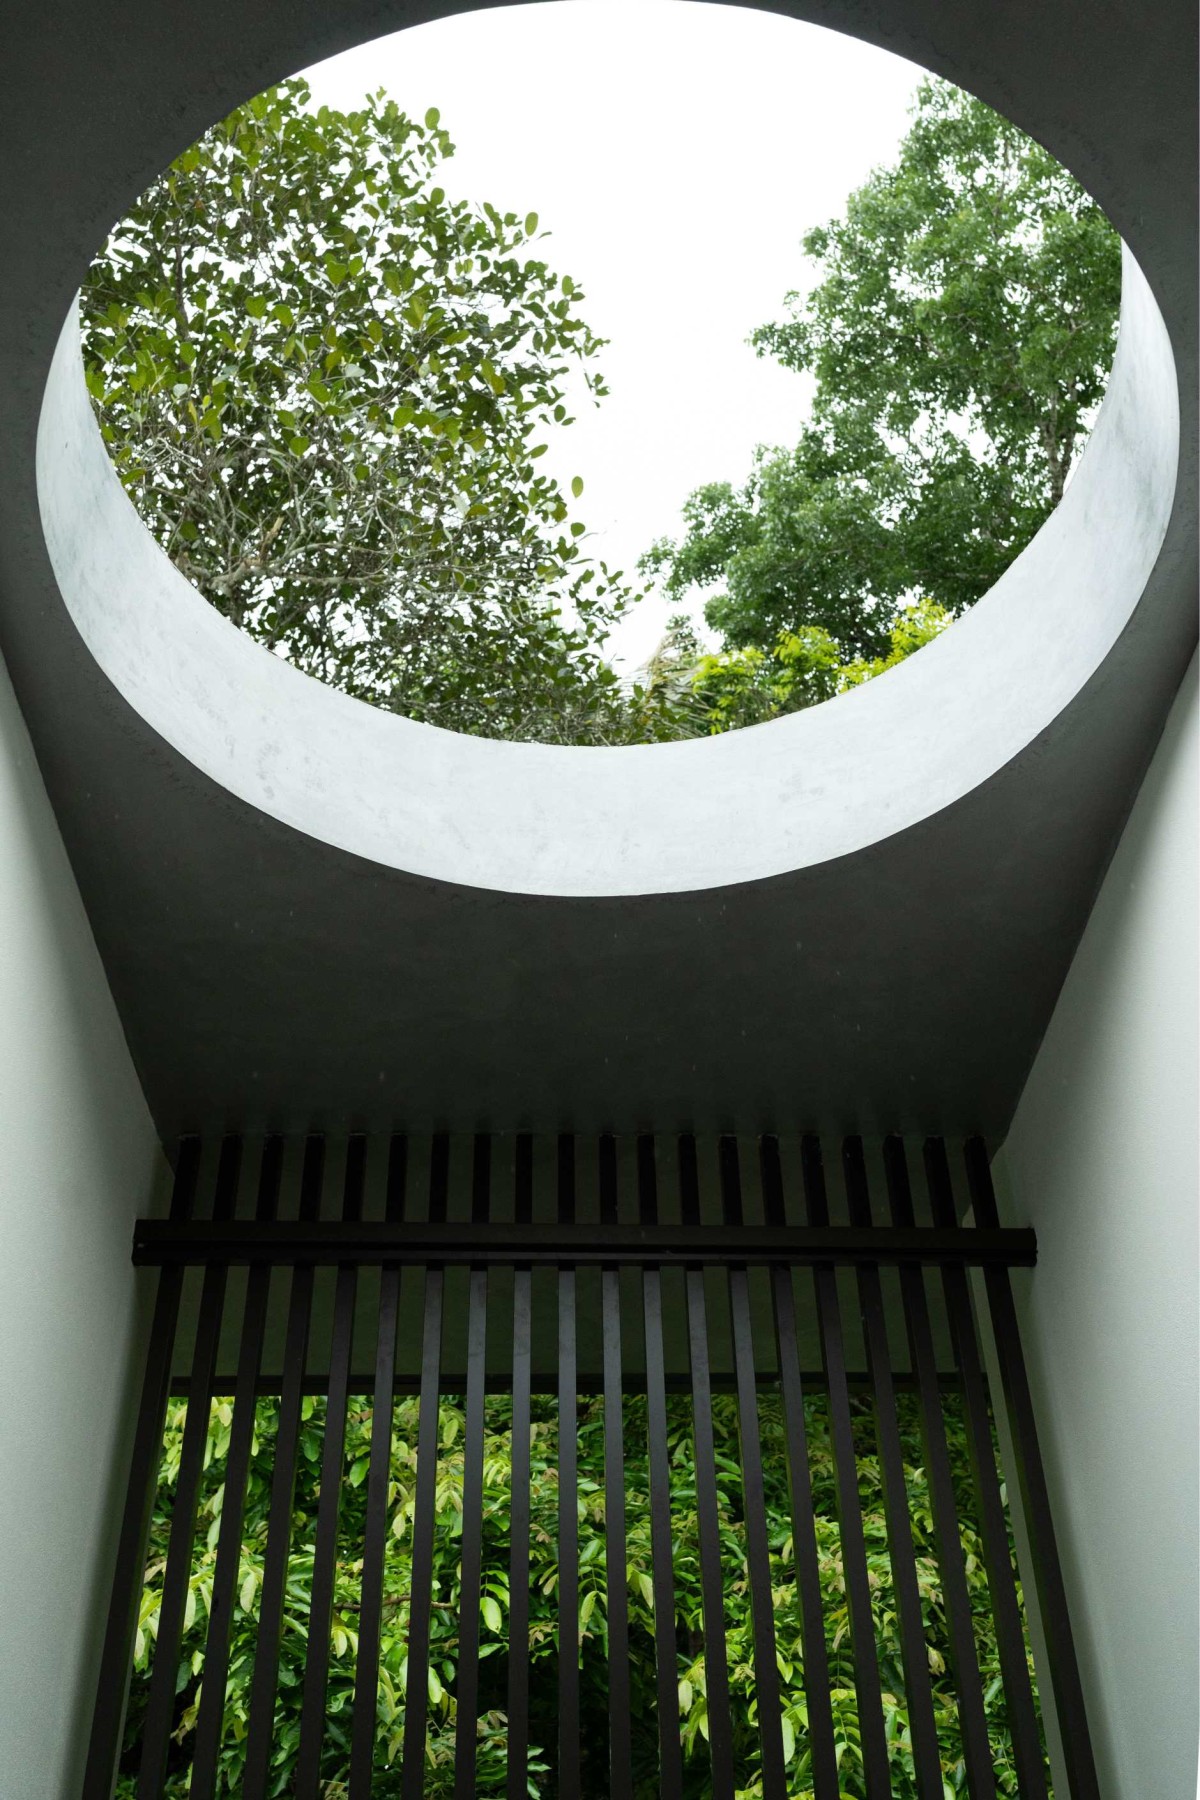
{"points": [[602, 374], [815, 783]]}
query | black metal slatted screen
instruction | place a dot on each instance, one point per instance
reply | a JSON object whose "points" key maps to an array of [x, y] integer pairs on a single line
{"points": [[635, 1398]]}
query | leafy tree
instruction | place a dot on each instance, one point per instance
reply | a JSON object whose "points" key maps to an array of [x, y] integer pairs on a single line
{"points": [[733, 688], [592, 1646], [912, 628], [750, 686], [709, 693], [959, 336], [327, 388]]}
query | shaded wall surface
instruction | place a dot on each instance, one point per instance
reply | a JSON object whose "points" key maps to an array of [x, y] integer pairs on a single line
{"points": [[1101, 1159], [79, 1163]]}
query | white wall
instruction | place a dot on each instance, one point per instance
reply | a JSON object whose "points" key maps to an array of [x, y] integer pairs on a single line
{"points": [[79, 1163], [1102, 1159]]}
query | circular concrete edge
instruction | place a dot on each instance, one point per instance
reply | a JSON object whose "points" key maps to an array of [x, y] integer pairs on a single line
{"points": [[665, 818]]}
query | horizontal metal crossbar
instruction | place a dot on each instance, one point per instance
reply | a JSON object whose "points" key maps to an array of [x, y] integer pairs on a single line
{"points": [[168, 1242], [544, 1381]]}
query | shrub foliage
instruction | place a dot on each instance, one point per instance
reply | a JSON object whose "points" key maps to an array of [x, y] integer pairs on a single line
{"points": [[592, 1644]]}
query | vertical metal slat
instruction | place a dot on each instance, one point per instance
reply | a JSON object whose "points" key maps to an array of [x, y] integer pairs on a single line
{"points": [[320, 1616], [518, 1572], [1006, 1613], [822, 1743], [615, 1553], [370, 1617], [569, 1769], [176, 1578], [850, 1522], [467, 1723], [758, 1551], [1070, 1707], [670, 1750], [712, 1593], [964, 1656], [416, 1696], [113, 1679], [926, 1754], [211, 1717], [264, 1681], [416, 1701]]}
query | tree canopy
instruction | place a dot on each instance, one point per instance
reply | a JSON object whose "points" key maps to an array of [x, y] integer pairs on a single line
{"points": [[957, 339], [327, 388]]}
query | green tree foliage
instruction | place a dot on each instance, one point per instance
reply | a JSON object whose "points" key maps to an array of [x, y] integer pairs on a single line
{"points": [[327, 388], [592, 1644], [748, 686], [958, 338]]}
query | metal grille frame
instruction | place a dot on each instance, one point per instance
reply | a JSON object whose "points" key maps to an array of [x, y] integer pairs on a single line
{"points": [[645, 1226]]}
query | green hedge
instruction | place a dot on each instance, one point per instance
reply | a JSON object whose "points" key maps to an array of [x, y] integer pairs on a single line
{"points": [[543, 1610]]}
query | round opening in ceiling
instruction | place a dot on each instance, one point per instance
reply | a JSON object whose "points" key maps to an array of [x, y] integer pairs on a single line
{"points": [[613, 818], [705, 382]]}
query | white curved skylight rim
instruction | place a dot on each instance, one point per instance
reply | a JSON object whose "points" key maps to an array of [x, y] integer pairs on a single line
{"points": [[667, 818]]}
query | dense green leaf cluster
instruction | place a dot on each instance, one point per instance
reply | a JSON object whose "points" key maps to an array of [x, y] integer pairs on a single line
{"points": [[592, 1644], [958, 340], [327, 388], [750, 685]]}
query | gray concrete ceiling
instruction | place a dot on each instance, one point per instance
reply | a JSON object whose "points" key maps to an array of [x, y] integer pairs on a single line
{"points": [[265, 977]]}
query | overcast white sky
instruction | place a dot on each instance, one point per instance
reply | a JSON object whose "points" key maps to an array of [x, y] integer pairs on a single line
{"points": [[676, 152]]}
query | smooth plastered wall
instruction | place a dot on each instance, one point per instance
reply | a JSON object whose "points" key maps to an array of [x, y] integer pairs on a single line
{"points": [[78, 1162], [1102, 1160]]}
